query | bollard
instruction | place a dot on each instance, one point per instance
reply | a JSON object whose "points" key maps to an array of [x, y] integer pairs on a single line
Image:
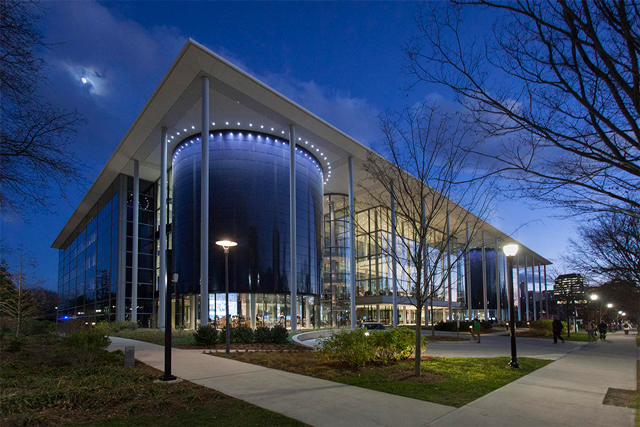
{"points": [[129, 358]]}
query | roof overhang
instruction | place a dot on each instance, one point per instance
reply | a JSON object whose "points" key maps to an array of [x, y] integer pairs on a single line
{"points": [[242, 101]]}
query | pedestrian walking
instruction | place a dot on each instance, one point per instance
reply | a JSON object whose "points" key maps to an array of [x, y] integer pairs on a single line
{"points": [[602, 328], [626, 328], [476, 329], [557, 330], [591, 331]]}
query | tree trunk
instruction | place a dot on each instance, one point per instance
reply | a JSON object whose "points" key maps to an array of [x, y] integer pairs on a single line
{"points": [[418, 352], [433, 329]]}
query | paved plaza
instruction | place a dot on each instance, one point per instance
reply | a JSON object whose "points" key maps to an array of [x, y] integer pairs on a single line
{"points": [[567, 392]]}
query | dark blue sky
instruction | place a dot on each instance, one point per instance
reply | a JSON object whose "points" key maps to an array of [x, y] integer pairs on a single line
{"points": [[340, 60]]}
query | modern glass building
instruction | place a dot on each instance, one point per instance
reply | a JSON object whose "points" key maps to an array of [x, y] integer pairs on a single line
{"points": [[277, 180]]}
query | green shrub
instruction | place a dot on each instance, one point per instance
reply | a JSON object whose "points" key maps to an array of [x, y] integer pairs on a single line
{"points": [[15, 344], [38, 327], [262, 334], [542, 326], [91, 339], [116, 326], [396, 344], [279, 334], [241, 334], [360, 346], [351, 347], [205, 335]]}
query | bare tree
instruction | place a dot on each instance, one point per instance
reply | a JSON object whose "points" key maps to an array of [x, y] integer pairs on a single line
{"points": [[432, 182], [556, 83], [18, 302], [609, 248], [34, 135]]}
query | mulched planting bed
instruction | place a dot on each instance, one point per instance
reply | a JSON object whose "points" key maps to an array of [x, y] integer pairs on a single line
{"points": [[50, 383]]}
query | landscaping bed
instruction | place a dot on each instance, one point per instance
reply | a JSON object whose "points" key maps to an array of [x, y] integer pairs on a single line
{"points": [[50, 382]]}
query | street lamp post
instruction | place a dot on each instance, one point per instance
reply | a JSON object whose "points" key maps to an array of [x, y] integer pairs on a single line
{"points": [[510, 252], [609, 307], [226, 244]]}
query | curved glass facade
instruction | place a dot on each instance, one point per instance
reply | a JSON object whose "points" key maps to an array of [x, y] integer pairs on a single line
{"points": [[249, 203]]}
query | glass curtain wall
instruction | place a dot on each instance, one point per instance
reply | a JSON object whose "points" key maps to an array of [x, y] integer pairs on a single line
{"points": [[88, 264], [146, 245], [334, 308]]}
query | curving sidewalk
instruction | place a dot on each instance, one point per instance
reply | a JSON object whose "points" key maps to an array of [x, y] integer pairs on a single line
{"points": [[567, 392]]}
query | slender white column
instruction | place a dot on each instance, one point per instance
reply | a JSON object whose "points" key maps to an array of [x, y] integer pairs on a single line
{"points": [[204, 206], [546, 291], [468, 274], [495, 254], [394, 271], [252, 311], [293, 283], [162, 280], [484, 279], [134, 241], [450, 312], [526, 288], [540, 289], [352, 249], [533, 279]]}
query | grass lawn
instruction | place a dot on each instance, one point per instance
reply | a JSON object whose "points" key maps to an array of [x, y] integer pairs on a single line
{"points": [[51, 383], [452, 381], [156, 336]]}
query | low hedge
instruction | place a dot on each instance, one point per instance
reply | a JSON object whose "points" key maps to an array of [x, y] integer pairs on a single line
{"points": [[209, 335]]}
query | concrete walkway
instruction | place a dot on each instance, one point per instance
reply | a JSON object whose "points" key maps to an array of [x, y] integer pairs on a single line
{"points": [[567, 392]]}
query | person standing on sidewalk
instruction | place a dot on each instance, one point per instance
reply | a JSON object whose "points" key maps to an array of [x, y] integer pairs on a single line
{"points": [[476, 329], [591, 331], [557, 330], [626, 328], [602, 328]]}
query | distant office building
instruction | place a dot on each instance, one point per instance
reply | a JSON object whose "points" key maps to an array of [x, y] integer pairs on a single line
{"points": [[570, 289]]}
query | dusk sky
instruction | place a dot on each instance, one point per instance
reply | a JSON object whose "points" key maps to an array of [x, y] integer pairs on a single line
{"points": [[341, 61]]}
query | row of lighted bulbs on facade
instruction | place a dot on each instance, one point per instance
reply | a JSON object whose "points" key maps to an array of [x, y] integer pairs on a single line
{"points": [[272, 130]]}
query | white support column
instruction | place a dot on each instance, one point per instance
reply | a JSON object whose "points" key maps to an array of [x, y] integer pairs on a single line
{"points": [[352, 249], [293, 283], [540, 293], [484, 279], [546, 291], [533, 280], [192, 311], [495, 255], [450, 311], [377, 312], [204, 206], [394, 271], [134, 241], [162, 280], [467, 274], [252, 310], [404, 314], [526, 289]]}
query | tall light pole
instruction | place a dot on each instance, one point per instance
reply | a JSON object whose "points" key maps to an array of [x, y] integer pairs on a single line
{"points": [[226, 244], [510, 252]]}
